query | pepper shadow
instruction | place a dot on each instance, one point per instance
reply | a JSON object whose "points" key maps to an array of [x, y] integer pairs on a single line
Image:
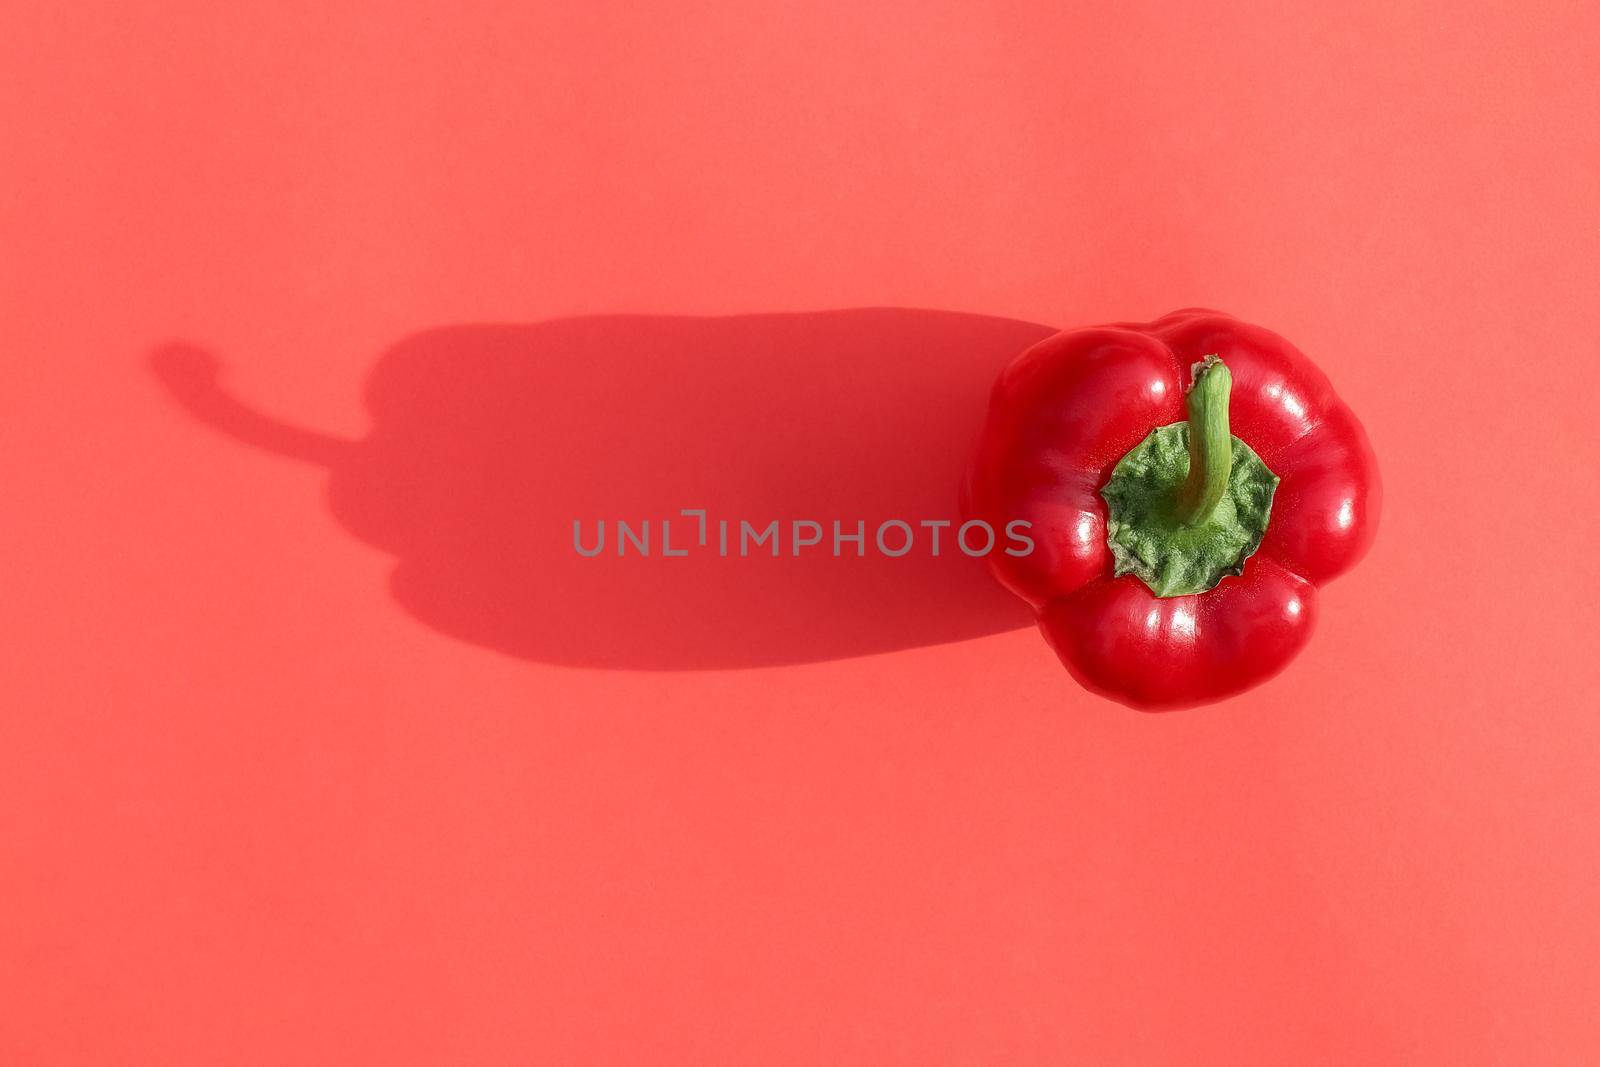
{"points": [[488, 441]]}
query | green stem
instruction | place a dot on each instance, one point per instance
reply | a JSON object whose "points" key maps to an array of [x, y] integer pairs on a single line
{"points": [[1210, 443]]}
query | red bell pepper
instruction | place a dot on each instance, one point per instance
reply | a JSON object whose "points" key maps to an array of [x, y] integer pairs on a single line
{"points": [[1189, 483]]}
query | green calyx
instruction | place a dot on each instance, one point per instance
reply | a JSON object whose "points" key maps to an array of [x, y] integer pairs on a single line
{"points": [[1190, 503]]}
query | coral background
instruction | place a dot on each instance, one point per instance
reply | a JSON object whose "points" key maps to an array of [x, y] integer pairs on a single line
{"points": [[267, 799]]}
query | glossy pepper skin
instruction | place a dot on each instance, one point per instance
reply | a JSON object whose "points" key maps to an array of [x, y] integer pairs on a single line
{"points": [[1068, 409]]}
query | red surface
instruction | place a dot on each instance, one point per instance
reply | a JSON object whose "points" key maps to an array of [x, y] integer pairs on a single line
{"points": [[271, 795]]}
